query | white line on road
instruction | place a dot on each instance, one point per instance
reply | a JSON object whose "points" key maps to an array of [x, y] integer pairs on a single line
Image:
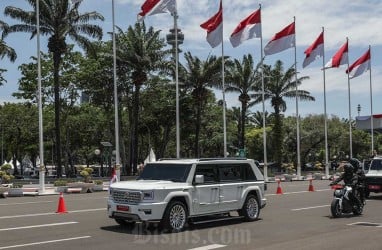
{"points": [[209, 247], [35, 226], [44, 242], [42, 214], [306, 208], [299, 192], [22, 203]]}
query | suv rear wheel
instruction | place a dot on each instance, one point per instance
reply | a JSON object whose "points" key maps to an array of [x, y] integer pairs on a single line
{"points": [[250, 209], [175, 217]]}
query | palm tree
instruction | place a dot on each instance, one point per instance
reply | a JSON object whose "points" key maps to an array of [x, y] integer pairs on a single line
{"points": [[141, 53], [5, 50], [241, 78], [280, 85], [59, 19], [199, 76]]}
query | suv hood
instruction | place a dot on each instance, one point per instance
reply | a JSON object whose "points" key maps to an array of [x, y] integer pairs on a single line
{"points": [[148, 185]]}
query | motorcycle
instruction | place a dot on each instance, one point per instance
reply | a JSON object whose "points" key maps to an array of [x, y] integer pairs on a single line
{"points": [[344, 202]]}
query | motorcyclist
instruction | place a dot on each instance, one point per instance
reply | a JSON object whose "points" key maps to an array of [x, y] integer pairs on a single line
{"points": [[350, 179], [360, 186]]}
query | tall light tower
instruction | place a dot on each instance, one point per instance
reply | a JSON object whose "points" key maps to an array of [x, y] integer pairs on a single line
{"points": [[174, 38]]}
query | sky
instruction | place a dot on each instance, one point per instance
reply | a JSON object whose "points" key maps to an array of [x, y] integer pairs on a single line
{"points": [[359, 20]]}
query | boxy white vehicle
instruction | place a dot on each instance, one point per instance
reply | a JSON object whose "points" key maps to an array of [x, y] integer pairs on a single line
{"points": [[175, 192]]}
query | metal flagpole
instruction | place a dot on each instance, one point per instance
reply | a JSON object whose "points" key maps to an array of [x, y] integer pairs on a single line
{"points": [[263, 100], [350, 129], [40, 127], [371, 107], [117, 158], [297, 115], [224, 104], [325, 114], [177, 81]]}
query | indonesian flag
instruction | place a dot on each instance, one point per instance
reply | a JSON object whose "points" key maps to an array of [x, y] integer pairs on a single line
{"points": [[152, 7], [340, 58], [316, 50], [247, 29], [214, 27], [281, 41], [360, 66]]}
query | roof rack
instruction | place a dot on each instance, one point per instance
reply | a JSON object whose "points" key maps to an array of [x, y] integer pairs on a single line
{"points": [[223, 158]]}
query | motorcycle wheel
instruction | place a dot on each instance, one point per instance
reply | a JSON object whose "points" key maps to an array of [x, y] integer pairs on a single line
{"points": [[358, 210], [335, 208]]}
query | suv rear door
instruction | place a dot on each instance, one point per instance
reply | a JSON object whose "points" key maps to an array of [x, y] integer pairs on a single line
{"points": [[231, 186]]}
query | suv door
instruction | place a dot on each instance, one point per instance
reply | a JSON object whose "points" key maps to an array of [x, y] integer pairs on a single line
{"points": [[206, 195], [231, 186]]}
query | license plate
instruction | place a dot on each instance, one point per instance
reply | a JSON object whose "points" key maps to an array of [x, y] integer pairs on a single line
{"points": [[122, 208], [374, 187]]}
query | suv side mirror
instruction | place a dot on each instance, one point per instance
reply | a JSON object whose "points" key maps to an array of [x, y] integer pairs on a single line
{"points": [[199, 179]]}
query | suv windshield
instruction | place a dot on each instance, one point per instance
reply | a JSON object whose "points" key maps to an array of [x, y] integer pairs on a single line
{"points": [[168, 172], [376, 164]]}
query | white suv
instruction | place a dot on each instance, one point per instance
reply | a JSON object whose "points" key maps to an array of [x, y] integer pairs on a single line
{"points": [[176, 191]]}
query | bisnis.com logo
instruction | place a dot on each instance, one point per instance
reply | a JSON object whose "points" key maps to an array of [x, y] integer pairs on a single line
{"points": [[224, 236]]}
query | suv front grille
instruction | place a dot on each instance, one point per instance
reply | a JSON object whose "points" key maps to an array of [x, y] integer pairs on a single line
{"points": [[126, 196]]}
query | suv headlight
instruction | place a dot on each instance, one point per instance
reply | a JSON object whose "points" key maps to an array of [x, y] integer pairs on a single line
{"points": [[148, 195]]}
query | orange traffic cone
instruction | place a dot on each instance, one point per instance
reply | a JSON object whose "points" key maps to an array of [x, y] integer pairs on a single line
{"points": [[311, 188], [279, 190], [61, 209]]}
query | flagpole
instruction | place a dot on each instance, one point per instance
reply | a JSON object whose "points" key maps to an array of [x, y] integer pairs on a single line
{"points": [[263, 102], [350, 129], [40, 127], [371, 107], [116, 120], [223, 85], [177, 81], [325, 114], [297, 115]]}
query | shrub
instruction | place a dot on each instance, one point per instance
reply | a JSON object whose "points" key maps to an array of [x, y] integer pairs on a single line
{"points": [[60, 182], [98, 182]]}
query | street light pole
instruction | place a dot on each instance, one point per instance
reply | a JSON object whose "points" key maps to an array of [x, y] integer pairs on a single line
{"points": [[40, 127]]}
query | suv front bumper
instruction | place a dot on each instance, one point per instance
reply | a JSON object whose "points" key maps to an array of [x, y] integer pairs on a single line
{"points": [[136, 212]]}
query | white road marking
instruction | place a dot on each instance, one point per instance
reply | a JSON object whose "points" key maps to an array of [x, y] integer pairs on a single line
{"points": [[44, 242], [35, 226], [299, 192], [22, 203], [306, 208], [213, 246], [42, 214]]}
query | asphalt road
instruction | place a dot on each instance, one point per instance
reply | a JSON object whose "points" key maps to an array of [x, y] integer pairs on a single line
{"points": [[296, 219]]}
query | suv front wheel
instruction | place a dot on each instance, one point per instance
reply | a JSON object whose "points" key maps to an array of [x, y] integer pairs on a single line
{"points": [[251, 209], [175, 217]]}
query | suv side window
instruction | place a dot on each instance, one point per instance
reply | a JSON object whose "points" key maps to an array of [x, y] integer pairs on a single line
{"points": [[229, 173], [209, 172], [249, 175]]}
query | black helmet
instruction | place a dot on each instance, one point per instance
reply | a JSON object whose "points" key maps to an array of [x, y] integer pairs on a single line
{"points": [[348, 168], [355, 163]]}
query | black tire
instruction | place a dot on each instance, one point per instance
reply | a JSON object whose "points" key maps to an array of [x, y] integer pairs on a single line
{"points": [[251, 208], [125, 223], [175, 217], [335, 208]]}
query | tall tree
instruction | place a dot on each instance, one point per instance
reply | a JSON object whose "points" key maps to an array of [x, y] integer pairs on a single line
{"points": [[141, 52], [241, 78], [59, 19], [5, 50], [279, 85], [200, 76]]}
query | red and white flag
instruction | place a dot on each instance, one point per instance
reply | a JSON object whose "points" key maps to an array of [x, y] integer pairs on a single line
{"points": [[340, 58], [152, 7], [316, 50], [281, 41], [360, 66], [247, 29], [214, 27]]}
